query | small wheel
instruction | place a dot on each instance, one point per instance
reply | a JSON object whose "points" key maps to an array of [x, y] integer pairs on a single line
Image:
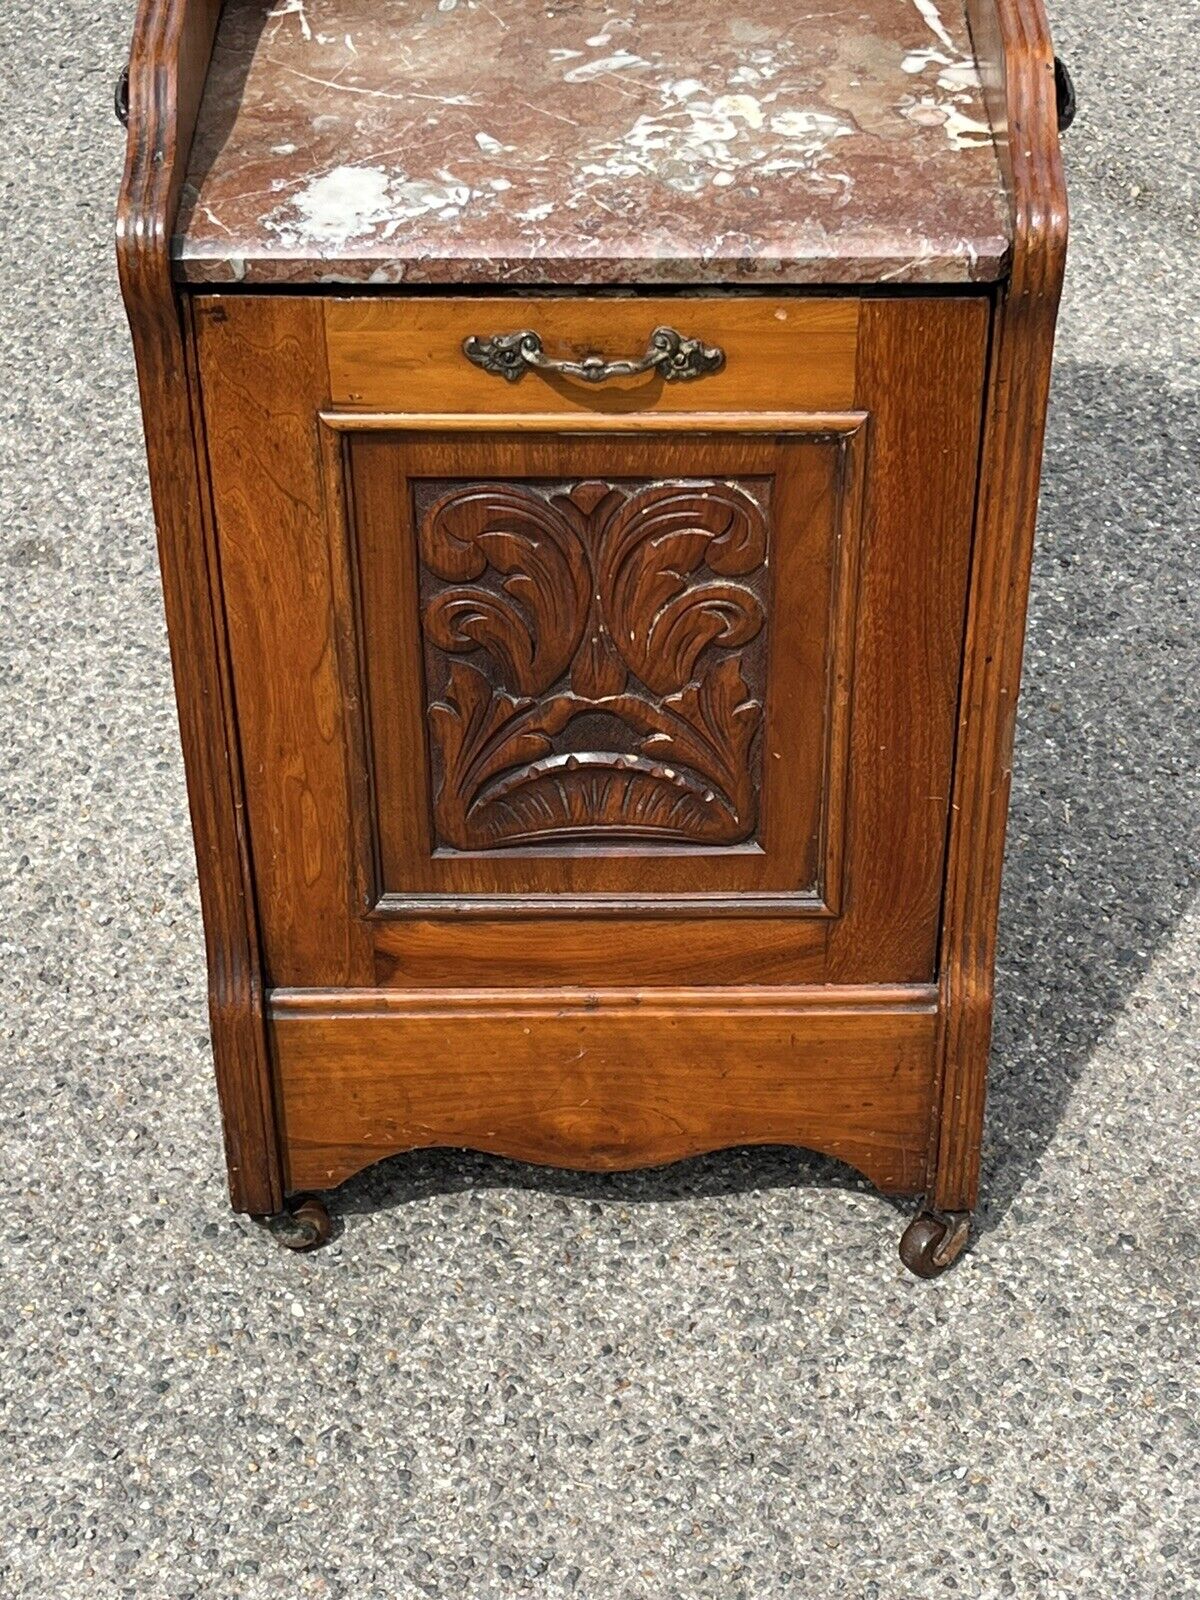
{"points": [[934, 1241], [305, 1225]]}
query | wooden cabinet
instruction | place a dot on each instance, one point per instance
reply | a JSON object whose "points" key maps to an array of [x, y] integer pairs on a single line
{"points": [[596, 705]]}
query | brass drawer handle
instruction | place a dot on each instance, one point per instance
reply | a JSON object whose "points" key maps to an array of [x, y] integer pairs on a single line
{"points": [[509, 355]]}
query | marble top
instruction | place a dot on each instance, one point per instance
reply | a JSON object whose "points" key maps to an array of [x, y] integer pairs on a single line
{"points": [[593, 142]]}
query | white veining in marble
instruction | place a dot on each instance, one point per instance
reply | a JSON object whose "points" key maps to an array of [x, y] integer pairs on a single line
{"points": [[654, 138]]}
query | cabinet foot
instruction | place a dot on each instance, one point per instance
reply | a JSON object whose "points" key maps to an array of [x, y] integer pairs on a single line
{"points": [[934, 1240], [303, 1225]]}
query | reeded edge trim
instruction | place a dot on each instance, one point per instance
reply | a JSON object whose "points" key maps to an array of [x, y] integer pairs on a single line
{"points": [[172, 43], [1013, 41]]}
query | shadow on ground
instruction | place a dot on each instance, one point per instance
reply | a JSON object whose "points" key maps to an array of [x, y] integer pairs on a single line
{"points": [[1104, 838]]}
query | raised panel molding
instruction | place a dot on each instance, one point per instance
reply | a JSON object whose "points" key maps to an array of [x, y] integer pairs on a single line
{"points": [[594, 660], [572, 692]]}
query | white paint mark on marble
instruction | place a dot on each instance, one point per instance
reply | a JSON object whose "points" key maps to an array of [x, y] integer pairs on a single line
{"points": [[958, 83], [932, 18], [814, 127], [283, 149], [964, 132], [960, 76], [341, 205], [918, 60], [967, 133], [350, 204], [743, 106]]}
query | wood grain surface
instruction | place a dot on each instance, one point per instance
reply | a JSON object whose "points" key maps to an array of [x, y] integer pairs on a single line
{"points": [[791, 354], [168, 62], [1014, 42], [604, 1081]]}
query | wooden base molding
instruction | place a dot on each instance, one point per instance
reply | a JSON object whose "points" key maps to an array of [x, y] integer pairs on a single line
{"points": [[606, 1081]]}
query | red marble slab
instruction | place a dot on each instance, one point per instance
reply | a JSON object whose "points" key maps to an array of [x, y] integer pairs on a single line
{"points": [[584, 142]]}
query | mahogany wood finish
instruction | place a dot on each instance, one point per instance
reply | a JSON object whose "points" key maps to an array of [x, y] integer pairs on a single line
{"points": [[604, 1081], [645, 606], [1017, 57], [319, 554], [167, 67], [599, 680], [597, 774], [781, 354]]}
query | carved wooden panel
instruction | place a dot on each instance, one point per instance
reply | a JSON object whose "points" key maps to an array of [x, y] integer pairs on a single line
{"points": [[581, 692], [594, 659]]}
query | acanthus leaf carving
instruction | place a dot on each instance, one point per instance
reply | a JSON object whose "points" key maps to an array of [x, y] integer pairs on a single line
{"points": [[616, 702], [656, 542], [532, 622]]}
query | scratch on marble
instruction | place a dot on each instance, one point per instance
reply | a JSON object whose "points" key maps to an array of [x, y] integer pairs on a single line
{"points": [[294, 8], [375, 94], [620, 61], [216, 221]]}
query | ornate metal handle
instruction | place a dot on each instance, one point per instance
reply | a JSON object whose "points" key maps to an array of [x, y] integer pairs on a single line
{"points": [[509, 355]]}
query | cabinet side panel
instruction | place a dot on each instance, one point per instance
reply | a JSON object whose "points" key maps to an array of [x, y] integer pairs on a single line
{"points": [[169, 56], [1018, 60]]}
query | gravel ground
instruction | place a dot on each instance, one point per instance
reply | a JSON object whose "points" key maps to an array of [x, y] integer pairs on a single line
{"points": [[714, 1381]]}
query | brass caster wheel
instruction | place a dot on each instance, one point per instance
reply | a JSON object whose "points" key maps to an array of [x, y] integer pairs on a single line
{"points": [[305, 1224], [933, 1241]]}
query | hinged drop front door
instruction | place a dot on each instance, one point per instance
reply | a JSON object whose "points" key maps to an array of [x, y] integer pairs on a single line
{"points": [[540, 685]]}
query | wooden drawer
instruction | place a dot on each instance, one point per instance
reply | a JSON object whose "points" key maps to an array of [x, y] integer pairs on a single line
{"points": [[407, 355]]}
